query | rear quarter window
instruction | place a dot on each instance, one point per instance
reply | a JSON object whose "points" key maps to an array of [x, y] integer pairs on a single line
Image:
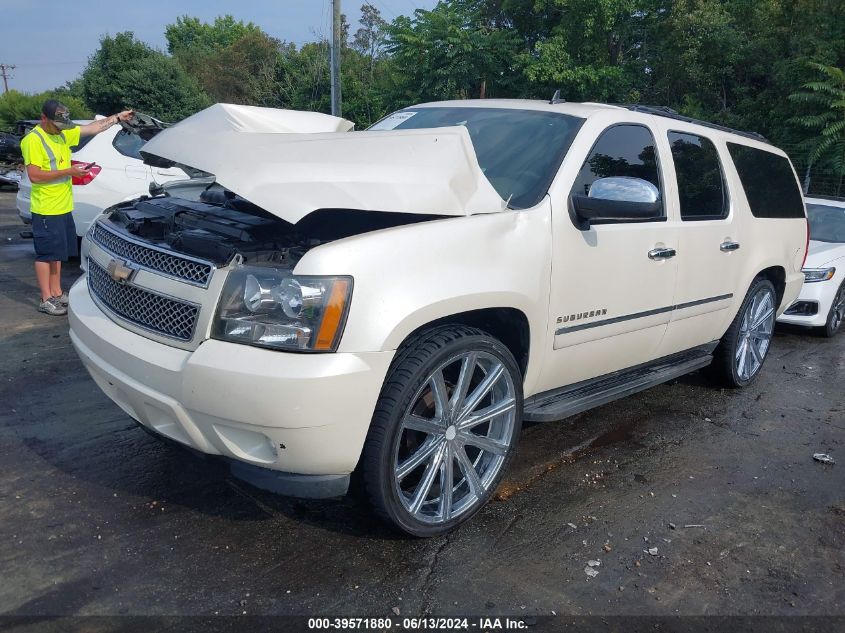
{"points": [[129, 144], [769, 182], [82, 143]]}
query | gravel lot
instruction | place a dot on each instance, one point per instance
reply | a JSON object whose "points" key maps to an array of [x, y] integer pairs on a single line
{"points": [[98, 518]]}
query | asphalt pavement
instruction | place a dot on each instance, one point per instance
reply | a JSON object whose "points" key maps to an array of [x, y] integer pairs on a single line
{"points": [[695, 501]]}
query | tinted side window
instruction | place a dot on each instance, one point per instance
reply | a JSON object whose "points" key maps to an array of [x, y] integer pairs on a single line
{"points": [[82, 143], [128, 144], [700, 184], [622, 150], [769, 183]]}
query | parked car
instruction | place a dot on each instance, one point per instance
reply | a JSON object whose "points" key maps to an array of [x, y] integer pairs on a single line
{"points": [[119, 174], [10, 176], [21, 128], [821, 303], [10, 148], [399, 300]]}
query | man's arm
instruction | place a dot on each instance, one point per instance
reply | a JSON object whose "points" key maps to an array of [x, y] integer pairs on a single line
{"points": [[33, 157], [101, 125], [40, 176]]}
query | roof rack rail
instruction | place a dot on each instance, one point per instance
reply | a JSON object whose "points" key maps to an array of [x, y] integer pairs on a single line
{"points": [[669, 113]]}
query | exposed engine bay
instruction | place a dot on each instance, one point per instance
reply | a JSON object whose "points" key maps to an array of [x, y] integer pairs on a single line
{"points": [[221, 225]]}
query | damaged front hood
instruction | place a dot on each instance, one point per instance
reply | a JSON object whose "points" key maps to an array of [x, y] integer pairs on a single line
{"points": [[425, 171]]}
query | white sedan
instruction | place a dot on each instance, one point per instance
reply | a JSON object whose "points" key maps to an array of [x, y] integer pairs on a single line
{"points": [[822, 300], [120, 173]]}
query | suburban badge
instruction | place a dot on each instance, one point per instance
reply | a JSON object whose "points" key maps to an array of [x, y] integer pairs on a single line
{"points": [[582, 315]]}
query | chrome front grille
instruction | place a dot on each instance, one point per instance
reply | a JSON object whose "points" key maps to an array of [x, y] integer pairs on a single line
{"points": [[149, 310], [183, 268]]}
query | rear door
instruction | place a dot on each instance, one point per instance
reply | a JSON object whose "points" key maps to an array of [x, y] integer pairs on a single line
{"points": [[710, 254]]}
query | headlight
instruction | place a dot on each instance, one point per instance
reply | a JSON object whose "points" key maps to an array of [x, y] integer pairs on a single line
{"points": [[812, 275], [272, 308]]}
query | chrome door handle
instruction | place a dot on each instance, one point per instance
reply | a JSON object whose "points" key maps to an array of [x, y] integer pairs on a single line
{"points": [[727, 247], [662, 253]]}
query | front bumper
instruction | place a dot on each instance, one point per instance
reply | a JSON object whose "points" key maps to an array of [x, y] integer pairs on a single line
{"points": [[819, 293], [298, 414]]}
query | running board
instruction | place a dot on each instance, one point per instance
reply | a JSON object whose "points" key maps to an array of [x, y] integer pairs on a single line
{"points": [[566, 402]]}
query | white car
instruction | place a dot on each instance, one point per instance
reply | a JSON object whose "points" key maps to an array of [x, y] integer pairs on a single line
{"points": [[119, 175], [821, 303], [397, 301]]}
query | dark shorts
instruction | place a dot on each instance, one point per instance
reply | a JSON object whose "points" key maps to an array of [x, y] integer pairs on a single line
{"points": [[54, 237]]}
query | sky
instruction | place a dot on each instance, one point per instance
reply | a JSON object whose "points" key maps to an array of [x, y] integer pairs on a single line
{"points": [[50, 40]]}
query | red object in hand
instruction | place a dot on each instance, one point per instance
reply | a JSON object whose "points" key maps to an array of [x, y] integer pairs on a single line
{"points": [[84, 180]]}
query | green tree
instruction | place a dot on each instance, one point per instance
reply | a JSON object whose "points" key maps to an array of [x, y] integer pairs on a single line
{"points": [[593, 50], [127, 73], [237, 72], [365, 72], [302, 78], [370, 39], [15, 106], [702, 45], [189, 34], [453, 51], [825, 100]]}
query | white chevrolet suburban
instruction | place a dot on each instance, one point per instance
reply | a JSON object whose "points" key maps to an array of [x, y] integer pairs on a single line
{"points": [[395, 302]]}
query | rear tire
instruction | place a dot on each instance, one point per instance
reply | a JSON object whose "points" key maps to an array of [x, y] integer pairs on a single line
{"points": [[743, 349], [450, 412], [836, 314]]}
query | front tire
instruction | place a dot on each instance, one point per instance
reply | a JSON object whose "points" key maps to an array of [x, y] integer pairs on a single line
{"points": [[743, 349], [444, 430], [836, 314]]}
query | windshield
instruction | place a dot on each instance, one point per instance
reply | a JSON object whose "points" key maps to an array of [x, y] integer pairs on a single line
{"points": [[519, 151], [827, 224]]}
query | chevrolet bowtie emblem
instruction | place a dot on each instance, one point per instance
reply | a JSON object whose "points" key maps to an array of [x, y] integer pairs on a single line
{"points": [[119, 270]]}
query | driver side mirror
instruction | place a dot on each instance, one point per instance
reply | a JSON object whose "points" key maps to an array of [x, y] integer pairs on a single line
{"points": [[617, 198]]}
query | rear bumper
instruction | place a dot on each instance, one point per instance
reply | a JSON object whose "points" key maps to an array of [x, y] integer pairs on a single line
{"points": [[22, 204], [295, 414]]}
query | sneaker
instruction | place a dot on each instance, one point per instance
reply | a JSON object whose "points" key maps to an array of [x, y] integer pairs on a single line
{"points": [[52, 307], [61, 299]]}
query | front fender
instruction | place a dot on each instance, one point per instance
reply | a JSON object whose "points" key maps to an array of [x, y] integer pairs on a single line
{"points": [[408, 276]]}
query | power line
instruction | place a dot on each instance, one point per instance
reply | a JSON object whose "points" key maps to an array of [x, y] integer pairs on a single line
{"points": [[385, 9]]}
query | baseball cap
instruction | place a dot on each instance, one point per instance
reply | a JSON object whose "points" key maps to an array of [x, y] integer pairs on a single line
{"points": [[58, 114]]}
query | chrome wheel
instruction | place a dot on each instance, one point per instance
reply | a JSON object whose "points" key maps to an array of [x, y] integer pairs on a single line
{"points": [[837, 311], [755, 333], [455, 437]]}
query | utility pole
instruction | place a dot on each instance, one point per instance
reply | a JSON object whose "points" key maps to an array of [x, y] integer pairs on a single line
{"points": [[4, 70], [335, 58]]}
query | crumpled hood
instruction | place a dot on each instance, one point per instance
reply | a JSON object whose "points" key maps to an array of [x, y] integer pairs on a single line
{"points": [[428, 171], [251, 119]]}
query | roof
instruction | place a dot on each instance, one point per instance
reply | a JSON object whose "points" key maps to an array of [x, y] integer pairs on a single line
{"points": [[587, 109], [575, 109], [825, 200]]}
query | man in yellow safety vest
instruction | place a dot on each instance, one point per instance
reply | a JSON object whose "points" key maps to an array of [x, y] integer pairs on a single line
{"points": [[46, 153]]}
